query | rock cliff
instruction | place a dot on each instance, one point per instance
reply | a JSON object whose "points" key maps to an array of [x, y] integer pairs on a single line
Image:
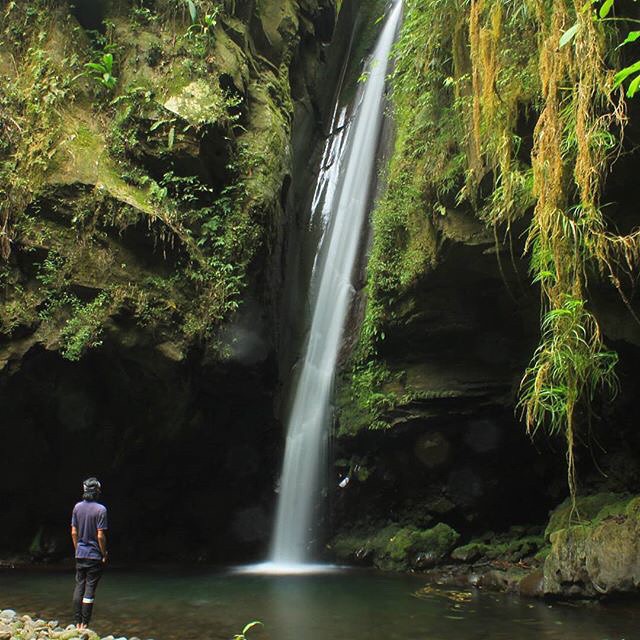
{"points": [[145, 164]]}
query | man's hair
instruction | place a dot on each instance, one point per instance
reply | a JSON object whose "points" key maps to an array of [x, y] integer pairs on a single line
{"points": [[91, 488]]}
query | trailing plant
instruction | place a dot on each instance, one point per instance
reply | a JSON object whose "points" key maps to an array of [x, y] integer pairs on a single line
{"points": [[466, 75], [629, 72]]}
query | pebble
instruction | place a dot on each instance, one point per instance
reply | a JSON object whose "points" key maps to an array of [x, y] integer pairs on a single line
{"points": [[24, 627]]}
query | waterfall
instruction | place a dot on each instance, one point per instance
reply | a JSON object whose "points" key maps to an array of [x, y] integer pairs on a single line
{"points": [[342, 197]]}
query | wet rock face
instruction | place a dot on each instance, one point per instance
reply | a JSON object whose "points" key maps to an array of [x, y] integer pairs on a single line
{"points": [[455, 345], [459, 337]]}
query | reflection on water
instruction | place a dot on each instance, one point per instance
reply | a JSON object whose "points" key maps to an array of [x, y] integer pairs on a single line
{"points": [[181, 605]]}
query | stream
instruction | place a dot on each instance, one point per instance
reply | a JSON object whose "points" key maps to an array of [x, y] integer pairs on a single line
{"points": [[177, 604]]}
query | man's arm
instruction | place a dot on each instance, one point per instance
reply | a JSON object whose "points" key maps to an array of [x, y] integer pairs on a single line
{"points": [[102, 543], [74, 537]]}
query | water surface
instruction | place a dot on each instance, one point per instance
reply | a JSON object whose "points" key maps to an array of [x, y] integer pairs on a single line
{"points": [[170, 604]]}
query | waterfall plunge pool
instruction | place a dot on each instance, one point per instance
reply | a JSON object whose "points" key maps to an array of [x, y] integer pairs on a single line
{"points": [[177, 604]]}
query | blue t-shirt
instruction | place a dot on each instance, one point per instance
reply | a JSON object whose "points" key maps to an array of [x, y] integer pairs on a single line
{"points": [[88, 517]]}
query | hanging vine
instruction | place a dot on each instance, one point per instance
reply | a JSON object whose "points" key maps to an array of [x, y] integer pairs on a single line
{"points": [[469, 73], [574, 140]]}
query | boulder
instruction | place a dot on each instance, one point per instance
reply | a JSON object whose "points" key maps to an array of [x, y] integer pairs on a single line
{"points": [[595, 558], [532, 585]]}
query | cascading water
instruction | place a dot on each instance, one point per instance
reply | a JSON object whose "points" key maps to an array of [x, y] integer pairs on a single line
{"points": [[343, 188]]}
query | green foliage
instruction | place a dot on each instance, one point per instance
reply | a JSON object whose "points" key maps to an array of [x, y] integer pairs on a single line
{"points": [[207, 23], [141, 15], [83, 330], [569, 365], [512, 546], [365, 396], [623, 74], [102, 71], [193, 12]]}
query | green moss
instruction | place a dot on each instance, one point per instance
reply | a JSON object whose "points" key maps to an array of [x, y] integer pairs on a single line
{"points": [[511, 547], [394, 547], [364, 396], [587, 510]]}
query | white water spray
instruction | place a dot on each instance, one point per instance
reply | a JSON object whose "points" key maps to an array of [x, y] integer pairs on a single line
{"points": [[344, 186]]}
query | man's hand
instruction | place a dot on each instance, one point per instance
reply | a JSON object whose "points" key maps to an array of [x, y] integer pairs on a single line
{"points": [[74, 537], [102, 543]]}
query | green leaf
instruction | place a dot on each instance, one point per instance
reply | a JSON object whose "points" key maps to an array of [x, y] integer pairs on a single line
{"points": [[193, 12], [255, 623], [569, 35], [605, 8], [172, 137], [623, 74], [632, 37], [633, 87]]}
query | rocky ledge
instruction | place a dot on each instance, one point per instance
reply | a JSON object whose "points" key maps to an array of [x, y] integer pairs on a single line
{"points": [[588, 549], [23, 627]]}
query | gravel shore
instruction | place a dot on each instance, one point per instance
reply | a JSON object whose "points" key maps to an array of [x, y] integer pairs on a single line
{"points": [[22, 627]]}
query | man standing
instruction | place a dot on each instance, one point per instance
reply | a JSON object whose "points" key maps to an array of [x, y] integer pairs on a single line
{"points": [[88, 532]]}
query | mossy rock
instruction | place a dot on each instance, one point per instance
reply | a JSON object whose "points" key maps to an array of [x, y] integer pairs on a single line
{"points": [[587, 509], [198, 103], [397, 548], [469, 552], [598, 556], [512, 546]]}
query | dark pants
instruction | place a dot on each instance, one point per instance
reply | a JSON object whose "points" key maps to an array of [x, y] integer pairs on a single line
{"points": [[88, 574]]}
